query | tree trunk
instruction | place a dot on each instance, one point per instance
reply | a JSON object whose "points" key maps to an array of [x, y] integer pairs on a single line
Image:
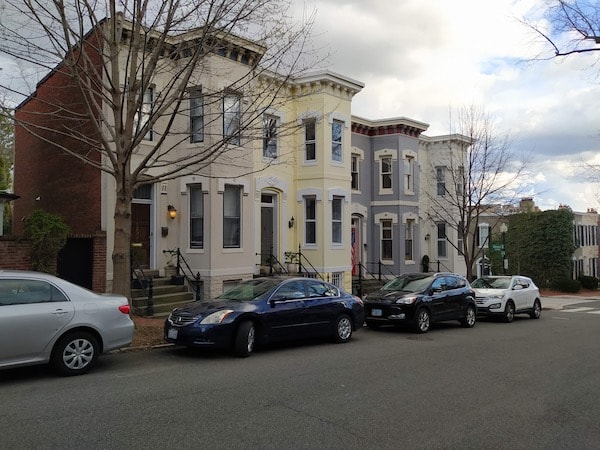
{"points": [[121, 255]]}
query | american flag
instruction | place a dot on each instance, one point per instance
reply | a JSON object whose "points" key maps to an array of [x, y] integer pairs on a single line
{"points": [[354, 252]]}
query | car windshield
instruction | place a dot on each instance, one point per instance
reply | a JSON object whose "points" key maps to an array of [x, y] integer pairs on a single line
{"points": [[249, 290], [408, 283], [491, 283]]}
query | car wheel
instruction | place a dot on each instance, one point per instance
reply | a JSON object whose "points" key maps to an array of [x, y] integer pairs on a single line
{"points": [[468, 321], [244, 339], [343, 329], [75, 353], [509, 312], [423, 321], [536, 312]]}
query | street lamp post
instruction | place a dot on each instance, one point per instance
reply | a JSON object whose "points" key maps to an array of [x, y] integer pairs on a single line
{"points": [[503, 230]]}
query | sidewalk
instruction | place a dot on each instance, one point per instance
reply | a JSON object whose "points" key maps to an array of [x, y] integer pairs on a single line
{"points": [[558, 302]]}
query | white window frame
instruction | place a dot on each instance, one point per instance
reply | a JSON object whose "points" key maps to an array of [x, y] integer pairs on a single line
{"points": [[409, 240], [386, 225], [337, 214], [410, 162], [440, 178], [195, 190], [232, 117], [271, 124], [312, 142], [310, 219], [196, 115], [232, 215], [355, 172], [337, 149], [483, 235], [442, 240]]}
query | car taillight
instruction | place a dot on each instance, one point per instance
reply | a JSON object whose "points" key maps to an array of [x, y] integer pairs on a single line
{"points": [[125, 309]]}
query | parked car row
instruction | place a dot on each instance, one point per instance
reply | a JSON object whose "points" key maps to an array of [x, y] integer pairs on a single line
{"points": [[44, 319]]}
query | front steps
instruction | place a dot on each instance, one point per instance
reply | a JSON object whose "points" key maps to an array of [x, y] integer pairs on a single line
{"points": [[166, 296]]}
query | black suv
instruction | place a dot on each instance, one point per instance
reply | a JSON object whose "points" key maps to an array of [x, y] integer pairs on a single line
{"points": [[420, 299]]}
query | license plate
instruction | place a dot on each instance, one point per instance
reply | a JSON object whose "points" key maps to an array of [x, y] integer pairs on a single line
{"points": [[172, 333], [376, 312]]}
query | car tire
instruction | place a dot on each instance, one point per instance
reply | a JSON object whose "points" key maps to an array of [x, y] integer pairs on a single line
{"points": [[75, 353], [244, 339], [343, 329], [470, 317], [422, 321], [509, 312], [536, 312]]}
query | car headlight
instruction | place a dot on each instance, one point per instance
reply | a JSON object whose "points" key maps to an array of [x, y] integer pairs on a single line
{"points": [[216, 317], [496, 296], [406, 301]]}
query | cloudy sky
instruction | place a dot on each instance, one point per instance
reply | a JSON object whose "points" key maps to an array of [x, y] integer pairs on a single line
{"points": [[422, 59]]}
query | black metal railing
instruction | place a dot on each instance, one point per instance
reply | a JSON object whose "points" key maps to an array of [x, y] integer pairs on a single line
{"points": [[184, 273], [139, 280]]}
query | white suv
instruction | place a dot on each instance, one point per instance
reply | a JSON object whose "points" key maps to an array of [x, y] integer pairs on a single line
{"points": [[505, 296]]}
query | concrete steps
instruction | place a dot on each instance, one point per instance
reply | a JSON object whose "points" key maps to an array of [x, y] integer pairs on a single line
{"points": [[166, 296]]}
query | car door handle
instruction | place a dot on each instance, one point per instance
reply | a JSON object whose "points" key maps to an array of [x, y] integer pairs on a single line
{"points": [[59, 312]]}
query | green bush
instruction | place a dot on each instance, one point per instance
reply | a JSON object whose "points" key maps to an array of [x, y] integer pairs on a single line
{"points": [[566, 285], [588, 282], [48, 235]]}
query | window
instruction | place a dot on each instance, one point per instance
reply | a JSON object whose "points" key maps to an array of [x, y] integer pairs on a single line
{"points": [[460, 239], [232, 118], [483, 235], [442, 244], [386, 173], [354, 172], [21, 292], [143, 117], [310, 220], [440, 175], [310, 133], [386, 240], [336, 220], [408, 240], [409, 174], [270, 127], [336, 140], [231, 217], [196, 116], [460, 181], [196, 217]]}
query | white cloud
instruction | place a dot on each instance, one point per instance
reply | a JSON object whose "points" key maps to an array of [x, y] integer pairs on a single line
{"points": [[422, 59]]}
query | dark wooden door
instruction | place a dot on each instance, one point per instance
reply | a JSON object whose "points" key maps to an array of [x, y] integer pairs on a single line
{"points": [[140, 234]]}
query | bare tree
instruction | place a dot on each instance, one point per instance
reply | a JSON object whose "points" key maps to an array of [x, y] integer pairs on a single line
{"points": [[478, 174], [568, 27], [110, 55]]}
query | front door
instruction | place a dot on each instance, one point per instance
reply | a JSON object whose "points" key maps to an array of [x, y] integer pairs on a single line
{"points": [[267, 227], [355, 249], [140, 235]]}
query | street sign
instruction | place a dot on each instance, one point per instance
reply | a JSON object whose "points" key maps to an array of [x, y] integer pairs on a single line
{"points": [[497, 247]]}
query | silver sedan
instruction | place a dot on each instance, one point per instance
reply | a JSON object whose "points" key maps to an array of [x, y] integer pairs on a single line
{"points": [[44, 319]]}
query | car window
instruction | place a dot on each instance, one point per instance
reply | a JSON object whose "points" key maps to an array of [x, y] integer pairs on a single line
{"points": [[319, 289], [439, 283], [290, 290], [19, 292]]}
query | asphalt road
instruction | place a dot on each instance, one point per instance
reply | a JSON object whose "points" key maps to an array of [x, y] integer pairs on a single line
{"points": [[531, 384]]}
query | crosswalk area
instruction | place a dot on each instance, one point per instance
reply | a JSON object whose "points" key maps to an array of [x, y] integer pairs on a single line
{"points": [[583, 309]]}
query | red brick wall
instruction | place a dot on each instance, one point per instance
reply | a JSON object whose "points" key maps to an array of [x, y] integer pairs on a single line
{"points": [[46, 176], [15, 254]]}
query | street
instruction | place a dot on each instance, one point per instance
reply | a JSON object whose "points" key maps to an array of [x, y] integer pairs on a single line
{"points": [[531, 384]]}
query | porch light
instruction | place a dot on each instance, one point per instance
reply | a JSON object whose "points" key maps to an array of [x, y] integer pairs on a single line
{"points": [[172, 211], [291, 222]]}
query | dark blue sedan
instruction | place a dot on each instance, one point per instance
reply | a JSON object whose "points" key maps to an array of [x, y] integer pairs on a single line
{"points": [[264, 310]]}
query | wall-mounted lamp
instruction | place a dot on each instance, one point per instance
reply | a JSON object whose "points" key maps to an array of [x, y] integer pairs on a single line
{"points": [[291, 222], [427, 236], [172, 211]]}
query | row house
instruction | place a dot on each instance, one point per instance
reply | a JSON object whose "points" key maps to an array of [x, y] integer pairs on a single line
{"points": [[396, 175], [585, 237], [304, 176]]}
